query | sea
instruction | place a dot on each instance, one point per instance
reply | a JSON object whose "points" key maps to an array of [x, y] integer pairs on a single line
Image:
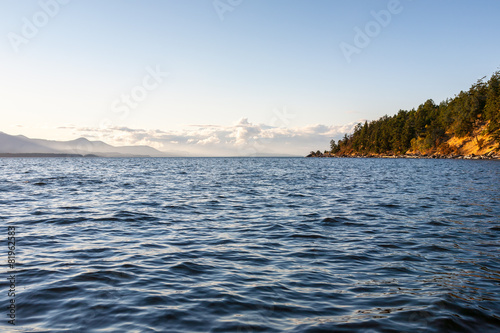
{"points": [[249, 245]]}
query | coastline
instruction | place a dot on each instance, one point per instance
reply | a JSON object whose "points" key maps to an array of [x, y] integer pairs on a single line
{"points": [[44, 155], [488, 156]]}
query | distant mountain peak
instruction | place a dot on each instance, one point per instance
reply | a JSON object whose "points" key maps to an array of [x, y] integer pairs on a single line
{"points": [[82, 139], [20, 144]]}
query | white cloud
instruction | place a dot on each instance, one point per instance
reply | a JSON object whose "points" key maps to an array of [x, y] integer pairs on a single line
{"points": [[241, 139]]}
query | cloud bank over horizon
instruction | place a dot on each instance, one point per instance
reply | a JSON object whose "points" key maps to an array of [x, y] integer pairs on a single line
{"points": [[241, 139]]}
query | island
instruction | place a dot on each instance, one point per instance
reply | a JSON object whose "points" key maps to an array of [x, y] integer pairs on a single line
{"points": [[466, 126]]}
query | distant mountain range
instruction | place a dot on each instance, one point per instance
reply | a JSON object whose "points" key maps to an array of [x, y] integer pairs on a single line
{"points": [[19, 145]]}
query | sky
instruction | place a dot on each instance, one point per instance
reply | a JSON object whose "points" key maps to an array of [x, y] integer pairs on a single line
{"points": [[233, 77]]}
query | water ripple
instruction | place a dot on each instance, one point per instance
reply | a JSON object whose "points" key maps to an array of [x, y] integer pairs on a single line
{"points": [[254, 245]]}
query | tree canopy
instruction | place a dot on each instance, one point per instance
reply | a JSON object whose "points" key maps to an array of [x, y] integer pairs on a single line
{"points": [[430, 125]]}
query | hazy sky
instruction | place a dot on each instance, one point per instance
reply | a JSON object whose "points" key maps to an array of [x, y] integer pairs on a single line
{"points": [[233, 77]]}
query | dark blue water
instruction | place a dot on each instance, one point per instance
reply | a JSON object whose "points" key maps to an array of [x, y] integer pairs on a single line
{"points": [[252, 245]]}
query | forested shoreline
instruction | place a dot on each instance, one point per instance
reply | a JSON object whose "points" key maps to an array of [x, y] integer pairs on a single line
{"points": [[467, 125]]}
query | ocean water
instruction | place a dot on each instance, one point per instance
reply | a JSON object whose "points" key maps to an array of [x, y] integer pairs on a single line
{"points": [[251, 245]]}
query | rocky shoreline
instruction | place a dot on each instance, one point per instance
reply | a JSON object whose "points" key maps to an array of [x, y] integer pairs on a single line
{"points": [[488, 156]]}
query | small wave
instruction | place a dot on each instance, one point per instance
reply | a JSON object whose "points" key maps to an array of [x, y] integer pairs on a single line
{"points": [[336, 219], [127, 216], [190, 268], [389, 246], [437, 223], [64, 221], [298, 195], [313, 236], [106, 277], [389, 205]]}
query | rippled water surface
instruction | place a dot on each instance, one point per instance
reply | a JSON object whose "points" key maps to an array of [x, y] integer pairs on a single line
{"points": [[252, 245]]}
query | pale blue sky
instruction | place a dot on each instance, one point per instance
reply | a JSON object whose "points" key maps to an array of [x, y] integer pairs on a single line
{"points": [[274, 62]]}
